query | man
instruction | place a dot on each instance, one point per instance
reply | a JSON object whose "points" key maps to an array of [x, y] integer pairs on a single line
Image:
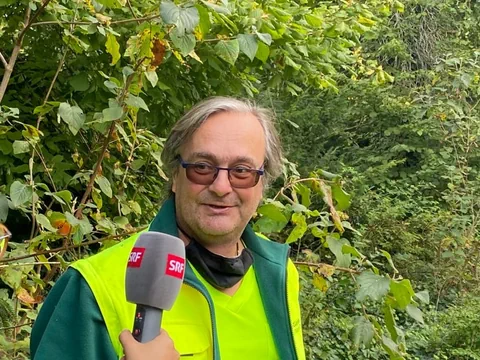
{"points": [[239, 299]]}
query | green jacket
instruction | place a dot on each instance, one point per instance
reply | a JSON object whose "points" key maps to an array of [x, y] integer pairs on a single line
{"points": [[105, 275]]}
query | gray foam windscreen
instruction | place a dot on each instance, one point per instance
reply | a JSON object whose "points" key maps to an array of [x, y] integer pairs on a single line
{"points": [[155, 270]]}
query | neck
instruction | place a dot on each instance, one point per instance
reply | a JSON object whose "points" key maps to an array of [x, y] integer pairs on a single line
{"points": [[224, 247]]}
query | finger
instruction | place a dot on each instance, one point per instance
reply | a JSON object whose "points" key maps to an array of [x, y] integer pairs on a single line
{"points": [[126, 339]]}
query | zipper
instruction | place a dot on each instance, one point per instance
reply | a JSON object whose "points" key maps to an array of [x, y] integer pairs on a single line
{"points": [[209, 301]]}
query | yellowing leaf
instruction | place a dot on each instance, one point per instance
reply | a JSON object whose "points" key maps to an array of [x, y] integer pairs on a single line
{"points": [[113, 48], [320, 283]]}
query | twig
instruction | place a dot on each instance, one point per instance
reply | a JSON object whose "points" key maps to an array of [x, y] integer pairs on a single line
{"points": [[4, 62], [351, 271], [16, 326], [124, 21], [131, 10], [63, 248], [31, 264]]}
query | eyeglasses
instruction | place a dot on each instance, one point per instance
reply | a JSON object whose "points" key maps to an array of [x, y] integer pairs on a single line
{"points": [[240, 177]]}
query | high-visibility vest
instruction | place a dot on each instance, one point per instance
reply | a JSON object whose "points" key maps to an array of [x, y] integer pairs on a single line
{"points": [[276, 276]]}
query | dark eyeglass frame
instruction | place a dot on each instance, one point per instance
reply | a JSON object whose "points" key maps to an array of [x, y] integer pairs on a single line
{"points": [[256, 172]]}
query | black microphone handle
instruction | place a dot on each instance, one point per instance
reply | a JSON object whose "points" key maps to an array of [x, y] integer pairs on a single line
{"points": [[147, 323]]}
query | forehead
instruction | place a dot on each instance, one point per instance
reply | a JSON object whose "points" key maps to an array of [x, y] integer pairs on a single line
{"points": [[228, 136]]}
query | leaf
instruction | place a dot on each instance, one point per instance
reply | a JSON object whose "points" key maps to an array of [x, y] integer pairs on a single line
{"points": [[185, 19], [220, 9], [300, 227], [265, 37], [43, 220], [348, 249], [390, 260], [320, 283], [273, 212], [113, 48], [65, 195], [263, 52], [3, 208], [136, 102], [390, 322], [78, 82], [152, 77], [188, 19], [73, 116], [362, 331], [402, 291], [313, 20], [415, 313], [372, 286], [104, 184], [204, 24], [423, 296], [248, 45], [20, 147], [336, 247], [20, 193], [185, 43], [342, 198], [169, 12], [112, 113], [228, 50]]}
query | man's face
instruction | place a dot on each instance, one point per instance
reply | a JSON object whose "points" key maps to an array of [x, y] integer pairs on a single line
{"points": [[219, 211]]}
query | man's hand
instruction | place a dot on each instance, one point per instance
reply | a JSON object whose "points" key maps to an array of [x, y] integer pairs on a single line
{"points": [[160, 348]]}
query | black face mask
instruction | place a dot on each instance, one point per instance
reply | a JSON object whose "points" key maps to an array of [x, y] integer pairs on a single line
{"points": [[219, 271]]}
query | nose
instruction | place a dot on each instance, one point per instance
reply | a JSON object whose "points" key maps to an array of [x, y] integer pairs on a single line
{"points": [[221, 185]]}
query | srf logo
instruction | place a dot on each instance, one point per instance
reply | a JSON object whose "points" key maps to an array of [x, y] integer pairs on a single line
{"points": [[175, 266], [136, 257]]}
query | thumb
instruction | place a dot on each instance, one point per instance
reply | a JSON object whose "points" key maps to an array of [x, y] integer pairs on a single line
{"points": [[127, 340]]}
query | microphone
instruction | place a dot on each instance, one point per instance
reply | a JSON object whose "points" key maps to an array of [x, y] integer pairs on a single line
{"points": [[155, 271]]}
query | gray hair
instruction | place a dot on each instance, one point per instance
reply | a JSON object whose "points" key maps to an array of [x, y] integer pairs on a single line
{"points": [[198, 114]]}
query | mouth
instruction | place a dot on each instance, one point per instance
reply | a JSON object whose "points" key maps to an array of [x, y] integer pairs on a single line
{"points": [[217, 206]]}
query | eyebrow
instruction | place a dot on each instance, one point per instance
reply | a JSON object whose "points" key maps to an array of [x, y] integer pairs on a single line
{"points": [[213, 158]]}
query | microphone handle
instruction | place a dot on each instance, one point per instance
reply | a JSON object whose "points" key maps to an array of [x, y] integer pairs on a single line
{"points": [[147, 323]]}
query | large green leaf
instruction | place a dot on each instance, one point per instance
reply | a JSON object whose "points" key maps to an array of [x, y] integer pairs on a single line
{"points": [[20, 193], [248, 45], [73, 116], [263, 52], [362, 331], [372, 285], [185, 43], [273, 212], [185, 19], [402, 291], [336, 247], [228, 50]]}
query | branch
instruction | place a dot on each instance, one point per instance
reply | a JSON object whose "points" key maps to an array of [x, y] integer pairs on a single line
{"points": [[351, 271], [18, 45], [64, 248], [124, 21], [121, 100], [4, 62]]}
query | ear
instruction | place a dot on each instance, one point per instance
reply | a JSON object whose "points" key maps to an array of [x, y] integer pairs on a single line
{"points": [[174, 183]]}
